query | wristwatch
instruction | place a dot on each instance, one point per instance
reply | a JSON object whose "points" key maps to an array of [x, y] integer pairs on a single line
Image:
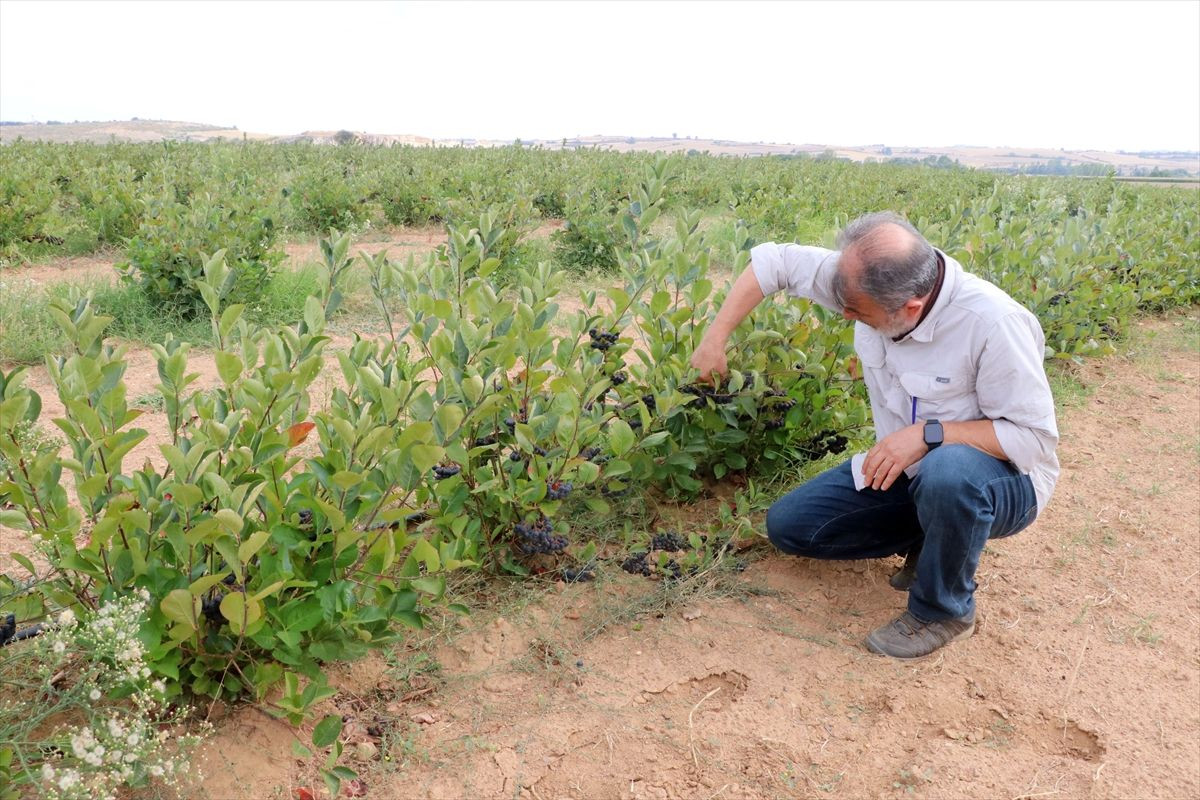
{"points": [[934, 435]]}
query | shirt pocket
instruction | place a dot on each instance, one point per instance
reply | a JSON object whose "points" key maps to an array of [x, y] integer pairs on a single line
{"points": [[946, 396]]}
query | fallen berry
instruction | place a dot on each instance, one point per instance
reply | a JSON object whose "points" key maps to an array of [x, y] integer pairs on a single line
{"points": [[667, 541]]}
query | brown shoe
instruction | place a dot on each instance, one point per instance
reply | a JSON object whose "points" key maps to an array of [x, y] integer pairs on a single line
{"points": [[908, 637]]}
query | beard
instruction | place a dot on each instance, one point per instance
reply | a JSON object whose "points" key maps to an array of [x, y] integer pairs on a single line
{"points": [[895, 327]]}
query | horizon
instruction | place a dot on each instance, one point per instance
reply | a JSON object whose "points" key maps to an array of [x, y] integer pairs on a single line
{"points": [[206, 126], [1122, 77]]}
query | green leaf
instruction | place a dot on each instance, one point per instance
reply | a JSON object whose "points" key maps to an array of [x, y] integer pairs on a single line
{"points": [[230, 520], [202, 585], [425, 552], [229, 366], [327, 731], [425, 456], [240, 611], [621, 437], [180, 606], [252, 545], [15, 520]]}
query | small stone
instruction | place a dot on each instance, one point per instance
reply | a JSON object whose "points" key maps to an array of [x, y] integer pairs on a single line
{"points": [[692, 613], [424, 718], [572, 614], [952, 733], [366, 751]]}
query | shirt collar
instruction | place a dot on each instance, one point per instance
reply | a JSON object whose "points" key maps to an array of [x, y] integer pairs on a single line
{"points": [[953, 273]]}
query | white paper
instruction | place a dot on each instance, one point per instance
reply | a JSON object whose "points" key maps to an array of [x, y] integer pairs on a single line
{"points": [[856, 468]]}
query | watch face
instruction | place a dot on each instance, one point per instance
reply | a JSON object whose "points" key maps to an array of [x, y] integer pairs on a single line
{"points": [[933, 432]]}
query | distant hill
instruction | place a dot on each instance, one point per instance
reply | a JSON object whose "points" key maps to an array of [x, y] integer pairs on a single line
{"points": [[988, 158]]}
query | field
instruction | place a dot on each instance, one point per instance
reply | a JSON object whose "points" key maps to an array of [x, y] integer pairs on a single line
{"points": [[378, 485], [997, 158]]}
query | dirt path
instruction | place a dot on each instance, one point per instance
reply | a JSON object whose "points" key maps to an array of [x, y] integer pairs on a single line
{"points": [[400, 242], [1083, 680]]}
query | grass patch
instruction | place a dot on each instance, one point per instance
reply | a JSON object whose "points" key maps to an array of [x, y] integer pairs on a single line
{"points": [[28, 333]]}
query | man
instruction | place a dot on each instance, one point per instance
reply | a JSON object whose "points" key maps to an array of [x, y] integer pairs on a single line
{"points": [[964, 419]]}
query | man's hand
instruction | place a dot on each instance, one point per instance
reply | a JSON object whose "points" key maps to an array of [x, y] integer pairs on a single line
{"points": [[709, 357], [893, 454], [710, 360]]}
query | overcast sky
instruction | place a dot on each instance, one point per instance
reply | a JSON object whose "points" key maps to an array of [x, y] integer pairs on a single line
{"points": [[1107, 75]]}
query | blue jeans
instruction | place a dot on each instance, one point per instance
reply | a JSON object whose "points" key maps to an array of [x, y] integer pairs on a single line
{"points": [[960, 498]]}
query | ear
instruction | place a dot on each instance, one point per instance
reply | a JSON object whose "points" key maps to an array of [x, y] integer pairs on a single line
{"points": [[914, 307]]}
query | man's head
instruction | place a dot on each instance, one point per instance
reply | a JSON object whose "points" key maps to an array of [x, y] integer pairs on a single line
{"points": [[885, 274]]}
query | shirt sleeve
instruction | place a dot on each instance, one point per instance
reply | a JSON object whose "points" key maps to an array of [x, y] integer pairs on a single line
{"points": [[1014, 392], [800, 270]]}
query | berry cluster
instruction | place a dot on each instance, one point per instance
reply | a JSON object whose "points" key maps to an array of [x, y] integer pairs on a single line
{"points": [[702, 392], [770, 401], [773, 423], [650, 402], [485, 441], [558, 490], [442, 472], [210, 607], [830, 442], [602, 340], [667, 541], [636, 564], [539, 537], [618, 378], [517, 455]]}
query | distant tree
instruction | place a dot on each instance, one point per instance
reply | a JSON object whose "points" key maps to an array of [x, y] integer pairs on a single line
{"points": [[344, 137], [674, 135], [887, 151]]}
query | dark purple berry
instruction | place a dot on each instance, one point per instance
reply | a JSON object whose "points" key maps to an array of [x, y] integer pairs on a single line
{"points": [[558, 490], [581, 575], [636, 564], [667, 541]]}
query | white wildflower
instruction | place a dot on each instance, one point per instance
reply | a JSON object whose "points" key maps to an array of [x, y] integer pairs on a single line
{"points": [[59, 647], [94, 695], [66, 618]]}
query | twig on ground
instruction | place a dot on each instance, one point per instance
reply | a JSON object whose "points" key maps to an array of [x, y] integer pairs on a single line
{"points": [[1071, 683]]}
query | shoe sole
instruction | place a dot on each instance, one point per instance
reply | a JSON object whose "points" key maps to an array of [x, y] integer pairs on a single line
{"points": [[874, 648]]}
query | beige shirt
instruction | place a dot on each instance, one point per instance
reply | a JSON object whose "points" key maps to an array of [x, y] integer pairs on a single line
{"points": [[977, 355]]}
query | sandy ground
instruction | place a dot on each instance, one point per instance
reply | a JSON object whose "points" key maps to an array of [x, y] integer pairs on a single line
{"points": [[1082, 681]]}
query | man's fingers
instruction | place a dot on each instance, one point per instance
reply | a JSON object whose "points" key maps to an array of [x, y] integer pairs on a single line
{"points": [[892, 475]]}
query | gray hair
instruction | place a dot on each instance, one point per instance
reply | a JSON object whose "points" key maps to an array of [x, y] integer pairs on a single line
{"points": [[889, 276]]}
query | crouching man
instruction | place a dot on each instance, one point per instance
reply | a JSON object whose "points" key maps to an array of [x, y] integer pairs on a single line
{"points": [[964, 419]]}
